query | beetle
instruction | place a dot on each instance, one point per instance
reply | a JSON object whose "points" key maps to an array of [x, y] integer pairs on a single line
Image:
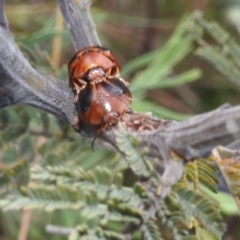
{"points": [[89, 65], [100, 94]]}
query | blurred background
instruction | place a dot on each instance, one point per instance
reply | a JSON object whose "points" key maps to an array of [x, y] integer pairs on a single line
{"points": [[132, 30]]}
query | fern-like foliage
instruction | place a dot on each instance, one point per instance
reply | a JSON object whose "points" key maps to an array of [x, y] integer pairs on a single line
{"points": [[195, 203], [136, 160], [203, 209], [202, 172], [99, 195], [62, 173], [224, 55], [195, 207], [83, 232], [151, 232], [228, 163]]}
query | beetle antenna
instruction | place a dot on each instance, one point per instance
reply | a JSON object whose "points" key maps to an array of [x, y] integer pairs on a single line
{"points": [[99, 131], [94, 141]]}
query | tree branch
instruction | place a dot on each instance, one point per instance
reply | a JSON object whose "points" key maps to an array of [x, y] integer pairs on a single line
{"points": [[20, 83], [190, 139], [79, 23], [173, 143], [3, 20]]}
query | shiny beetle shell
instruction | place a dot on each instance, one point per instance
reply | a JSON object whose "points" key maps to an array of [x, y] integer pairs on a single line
{"points": [[101, 95], [88, 58], [103, 104]]}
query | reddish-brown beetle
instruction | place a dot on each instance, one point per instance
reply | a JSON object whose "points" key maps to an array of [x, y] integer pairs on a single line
{"points": [[101, 96]]}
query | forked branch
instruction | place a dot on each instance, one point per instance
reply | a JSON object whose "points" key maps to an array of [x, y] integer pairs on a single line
{"points": [[20, 83]]}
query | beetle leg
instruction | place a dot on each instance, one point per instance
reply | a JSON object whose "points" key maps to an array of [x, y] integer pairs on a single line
{"points": [[129, 110], [99, 131], [110, 74], [111, 118], [78, 85], [121, 79]]}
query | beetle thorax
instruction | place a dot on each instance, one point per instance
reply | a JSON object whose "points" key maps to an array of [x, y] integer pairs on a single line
{"points": [[96, 75]]}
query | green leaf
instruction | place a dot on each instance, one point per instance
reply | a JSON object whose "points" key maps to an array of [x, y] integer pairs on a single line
{"points": [[180, 79], [150, 231], [224, 54], [157, 110], [203, 209], [136, 160], [203, 234]]}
